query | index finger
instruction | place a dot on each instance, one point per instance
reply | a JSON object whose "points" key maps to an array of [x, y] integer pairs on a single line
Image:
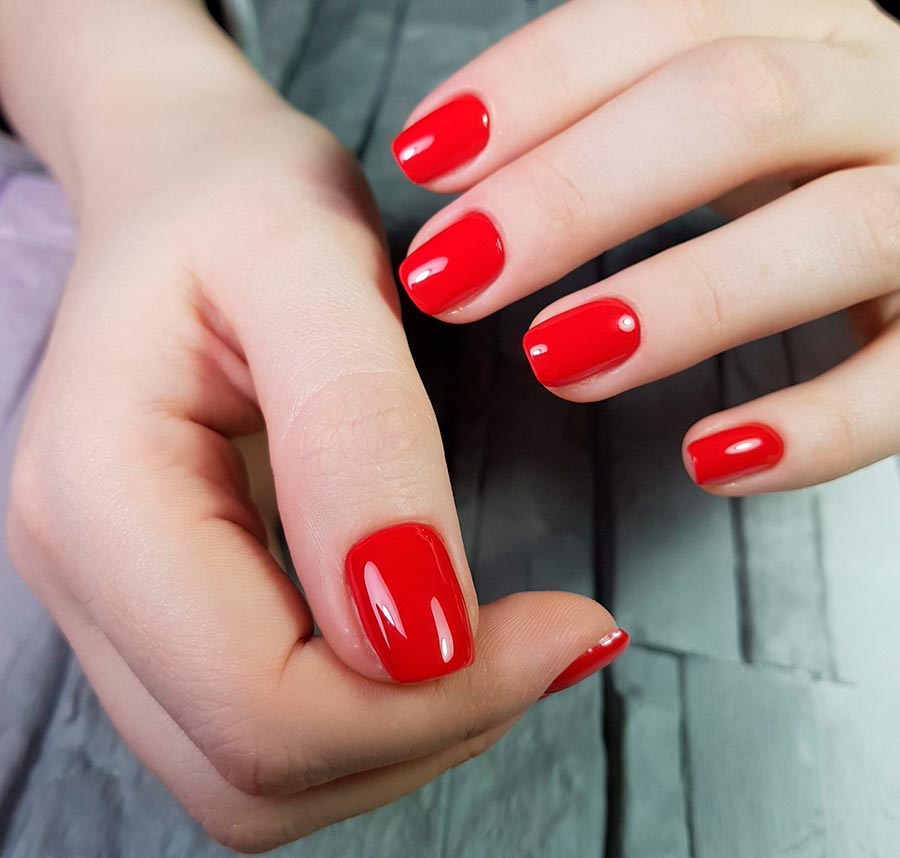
{"points": [[568, 62]]}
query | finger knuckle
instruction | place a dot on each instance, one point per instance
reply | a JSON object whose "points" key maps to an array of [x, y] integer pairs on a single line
{"points": [[254, 757], [699, 19], [365, 422], [541, 44], [840, 436], [236, 754], [557, 194], [754, 87], [472, 748], [878, 211], [708, 293]]}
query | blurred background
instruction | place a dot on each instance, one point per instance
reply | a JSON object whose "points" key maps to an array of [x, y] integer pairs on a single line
{"points": [[757, 711]]}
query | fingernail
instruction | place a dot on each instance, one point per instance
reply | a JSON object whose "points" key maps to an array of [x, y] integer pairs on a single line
{"points": [[410, 602], [459, 261], [600, 655], [735, 453], [444, 139], [581, 342]]}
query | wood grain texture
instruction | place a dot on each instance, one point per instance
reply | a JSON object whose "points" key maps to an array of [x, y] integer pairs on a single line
{"points": [[753, 756], [675, 574], [655, 786], [860, 768], [785, 619]]}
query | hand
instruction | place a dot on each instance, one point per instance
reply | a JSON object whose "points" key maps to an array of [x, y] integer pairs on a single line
{"points": [[231, 275], [601, 120]]}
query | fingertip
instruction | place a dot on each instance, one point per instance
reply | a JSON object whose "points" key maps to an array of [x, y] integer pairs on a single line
{"points": [[452, 135], [410, 603], [591, 661], [455, 264]]}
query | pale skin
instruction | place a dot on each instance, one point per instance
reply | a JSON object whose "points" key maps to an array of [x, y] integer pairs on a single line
{"points": [[231, 275]]}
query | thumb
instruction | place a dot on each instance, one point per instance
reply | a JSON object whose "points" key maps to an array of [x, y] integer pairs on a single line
{"points": [[360, 477]]}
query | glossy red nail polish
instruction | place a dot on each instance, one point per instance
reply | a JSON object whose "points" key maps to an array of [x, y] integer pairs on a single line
{"points": [[735, 453], [444, 139], [410, 602], [581, 342], [459, 261], [600, 655]]}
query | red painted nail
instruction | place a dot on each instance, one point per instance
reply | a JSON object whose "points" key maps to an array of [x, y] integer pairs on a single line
{"points": [[444, 139], [735, 453], [582, 341], [600, 655], [459, 261], [410, 602]]}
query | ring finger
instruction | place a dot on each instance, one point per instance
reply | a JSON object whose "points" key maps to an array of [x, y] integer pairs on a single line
{"points": [[822, 248]]}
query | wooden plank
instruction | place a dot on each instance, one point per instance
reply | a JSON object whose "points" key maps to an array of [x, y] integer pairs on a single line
{"points": [[540, 792], [437, 39], [537, 495], [861, 560], [349, 52], [675, 577], [753, 762], [785, 618], [283, 25], [786, 597], [653, 800], [860, 535], [857, 730]]}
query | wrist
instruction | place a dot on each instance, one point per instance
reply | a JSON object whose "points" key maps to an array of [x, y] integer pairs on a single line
{"points": [[133, 84]]}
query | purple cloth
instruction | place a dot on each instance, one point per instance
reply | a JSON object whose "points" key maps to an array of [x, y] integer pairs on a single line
{"points": [[37, 238]]}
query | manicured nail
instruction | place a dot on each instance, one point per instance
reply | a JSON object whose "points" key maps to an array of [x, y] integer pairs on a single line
{"points": [[735, 453], [600, 655], [456, 263], [410, 602], [444, 139], [581, 342]]}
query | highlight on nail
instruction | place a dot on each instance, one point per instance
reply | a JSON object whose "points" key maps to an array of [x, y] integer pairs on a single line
{"points": [[595, 658], [409, 602], [589, 339], [734, 453], [457, 263], [445, 139]]}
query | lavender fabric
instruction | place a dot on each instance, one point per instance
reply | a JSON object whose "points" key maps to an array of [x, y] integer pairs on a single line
{"points": [[36, 245]]}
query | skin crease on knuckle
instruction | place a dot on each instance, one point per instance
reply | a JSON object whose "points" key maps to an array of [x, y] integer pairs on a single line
{"points": [[364, 423], [877, 212], [256, 761], [754, 87], [702, 20], [557, 193]]}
